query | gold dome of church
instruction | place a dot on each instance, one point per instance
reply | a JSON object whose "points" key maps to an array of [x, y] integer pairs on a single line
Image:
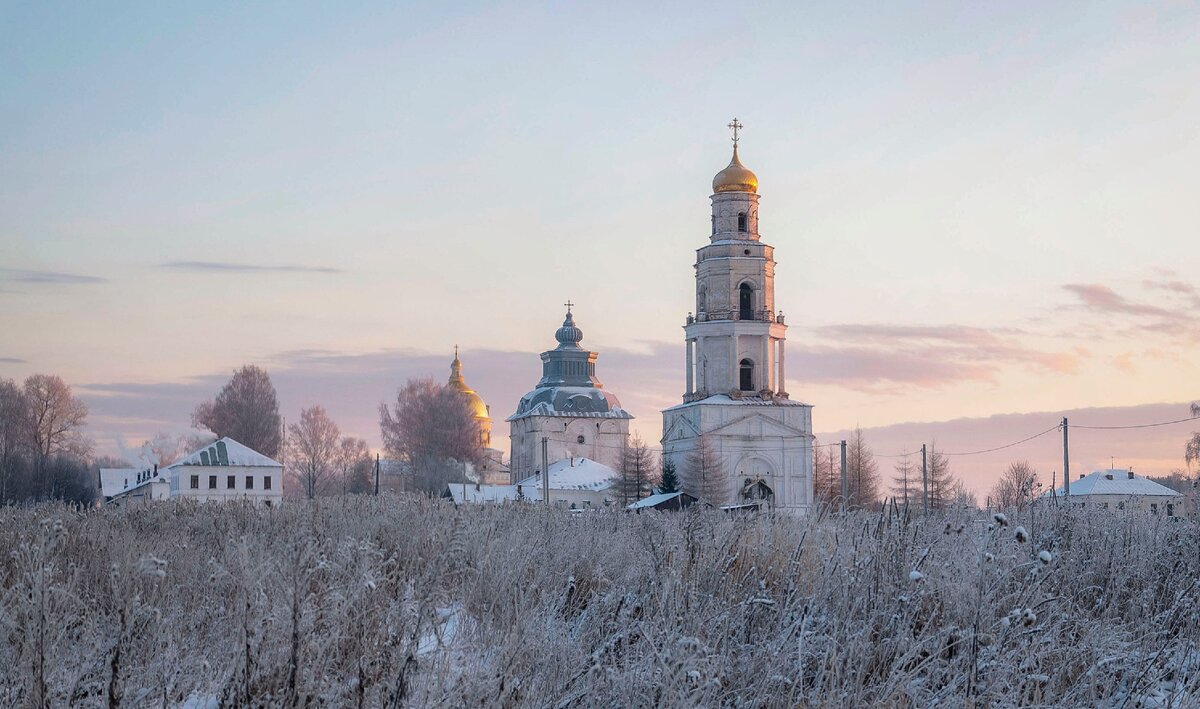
{"points": [[478, 409], [735, 178]]}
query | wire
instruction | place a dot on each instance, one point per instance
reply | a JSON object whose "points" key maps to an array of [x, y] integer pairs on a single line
{"points": [[1008, 445], [1143, 425]]}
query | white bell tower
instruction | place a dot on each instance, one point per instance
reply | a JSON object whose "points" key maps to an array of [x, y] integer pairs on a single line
{"points": [[735, 384]]}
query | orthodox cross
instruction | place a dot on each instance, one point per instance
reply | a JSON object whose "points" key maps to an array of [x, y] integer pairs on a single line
{"points": [[456, 352], [735, 126], [569, 304]]}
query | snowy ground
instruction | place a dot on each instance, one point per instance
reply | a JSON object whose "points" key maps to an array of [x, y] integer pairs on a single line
{"points": [[391, 602]]}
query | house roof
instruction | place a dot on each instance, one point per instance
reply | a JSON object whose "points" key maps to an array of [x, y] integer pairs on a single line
{"points": [[653, 500], [575, 474], [1116, 482], [469, 492], [114, 480], [226, 452]]}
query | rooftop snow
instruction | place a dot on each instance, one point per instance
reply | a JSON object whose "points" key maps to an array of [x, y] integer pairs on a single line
{"points": [[653, 500], [1098, 483], [726, 400], [575, 474], [469, 492], [226, 452]]}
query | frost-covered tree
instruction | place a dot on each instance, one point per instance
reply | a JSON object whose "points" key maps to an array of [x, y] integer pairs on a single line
{"points": [[906, 483], [637, 471], [246, 410], [432, 428], [862, 472], [704, 474], [1191, 451], [313, 445], [12, 434], [353, 465], [941, 482], [1017, 486], [669, 482], [827, 473], [54, 419]]}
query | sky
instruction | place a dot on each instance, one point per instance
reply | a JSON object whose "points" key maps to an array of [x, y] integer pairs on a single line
{"points": [[981, 212]]}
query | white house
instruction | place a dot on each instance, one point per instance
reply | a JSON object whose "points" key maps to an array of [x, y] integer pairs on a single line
{"points": [[123, 486], [575, 482], [226, 470], [1120, 490]]}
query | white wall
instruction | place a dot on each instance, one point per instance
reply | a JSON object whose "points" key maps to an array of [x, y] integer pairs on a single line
{"points": [[181, 483]]}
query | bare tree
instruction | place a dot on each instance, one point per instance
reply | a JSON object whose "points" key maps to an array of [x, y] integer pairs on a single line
{"points": [[906, 483], [637, 470], [53, 418], [827, 485], [962, 498], [1191, 452], [862, 472], [12, 433], [352, 464], [312, 446], [433, 428], [941, 482], [246, 410], [704, 475], [1016, 487]]}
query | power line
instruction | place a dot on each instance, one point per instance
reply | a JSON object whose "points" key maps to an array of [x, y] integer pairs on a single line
{"points": [[1142, 425], [1008, 445]]}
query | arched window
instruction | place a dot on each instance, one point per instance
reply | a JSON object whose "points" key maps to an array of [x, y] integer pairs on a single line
{"points": [[714, 224], [745, 302], [741, 221], [746, 375]]}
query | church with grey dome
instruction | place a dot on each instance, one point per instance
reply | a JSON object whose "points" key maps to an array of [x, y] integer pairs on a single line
{"points": [[569, 408]]}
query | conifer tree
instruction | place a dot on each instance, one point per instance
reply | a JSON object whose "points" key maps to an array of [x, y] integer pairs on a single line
{"points": [[704, 476], [637, 464], [906, 484], [670, 480]]}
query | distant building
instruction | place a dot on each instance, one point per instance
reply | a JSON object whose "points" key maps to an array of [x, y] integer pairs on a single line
{"points": [[124, 486], [735, 394], [227, 470], [1119, 489], [491, 470], [664, 502], [577, 483], [569, 409]]}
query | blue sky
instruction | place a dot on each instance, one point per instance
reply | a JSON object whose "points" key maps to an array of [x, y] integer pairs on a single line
{"points": [[187, 188]]}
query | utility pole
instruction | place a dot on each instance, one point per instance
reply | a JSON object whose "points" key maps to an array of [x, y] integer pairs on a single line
{"points": [[845, 491], [924, 481], [376, 475], [1066, 461], [545, 470]]}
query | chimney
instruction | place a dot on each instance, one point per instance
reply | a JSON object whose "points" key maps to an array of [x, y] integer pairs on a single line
{"points": [[1108, 476], [1081, 476], [156, 470], [1131, 474]]}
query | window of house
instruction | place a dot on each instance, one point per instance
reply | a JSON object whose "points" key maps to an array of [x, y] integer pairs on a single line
{"points": [[212, 482], [230, 482], [1153, 508], [267, 483], [195, 482], [249, 482]]}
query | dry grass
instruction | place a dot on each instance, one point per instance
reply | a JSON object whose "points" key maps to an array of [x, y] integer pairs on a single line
{"points": [[390, 602]]}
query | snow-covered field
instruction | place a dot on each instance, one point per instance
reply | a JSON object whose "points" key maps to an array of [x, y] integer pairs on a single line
{"points": [[393, 602]]}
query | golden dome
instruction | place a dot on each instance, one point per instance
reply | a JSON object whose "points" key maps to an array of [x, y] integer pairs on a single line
{"points": [[478, 409], [735, 178]]}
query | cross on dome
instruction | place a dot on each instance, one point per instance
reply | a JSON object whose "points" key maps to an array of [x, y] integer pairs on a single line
{"points": [[569, 305], [735, 126]]}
